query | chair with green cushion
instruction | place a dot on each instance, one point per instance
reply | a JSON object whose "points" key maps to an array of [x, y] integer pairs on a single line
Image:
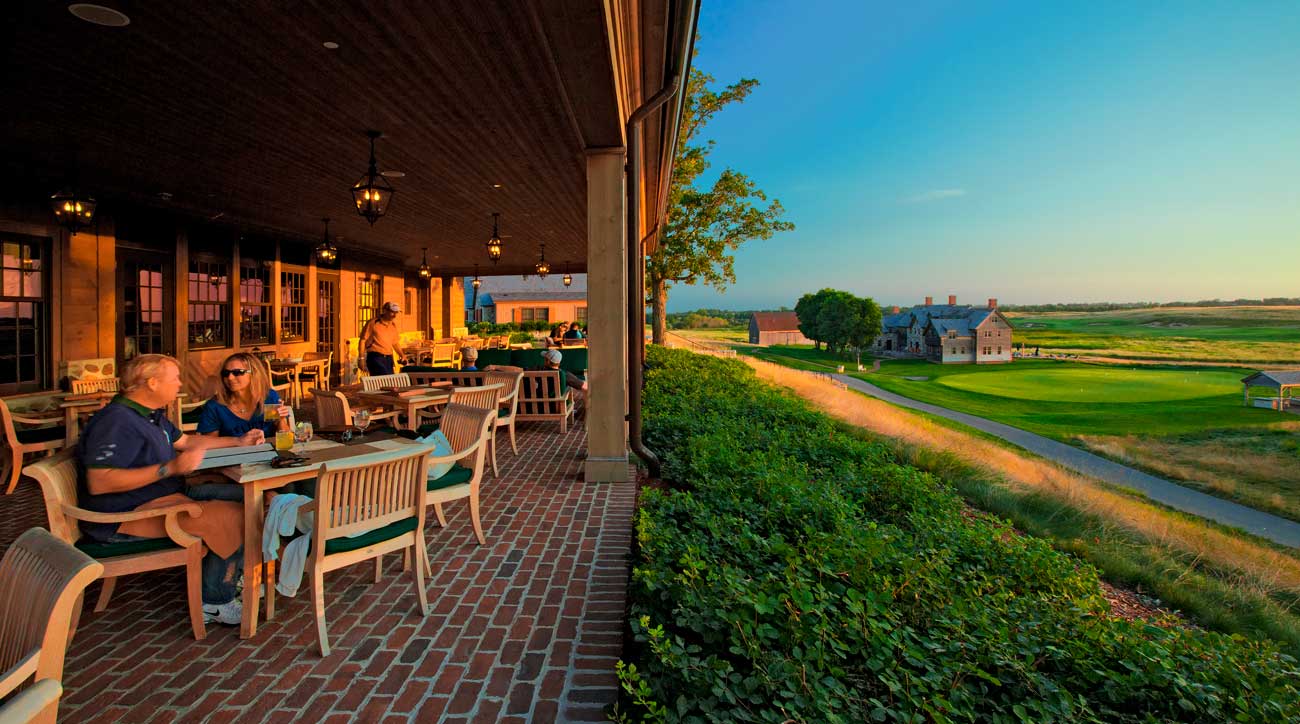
{"points": [[467, 430], [392, 519], [544, 395], [58, 478], [43, 433]]}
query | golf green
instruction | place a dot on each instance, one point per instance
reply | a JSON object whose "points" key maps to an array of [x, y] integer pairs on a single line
{"points": [[1099, 384]]}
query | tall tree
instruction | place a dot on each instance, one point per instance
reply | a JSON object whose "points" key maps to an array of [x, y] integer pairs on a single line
{"points": [[811, 321], [706, 224]]}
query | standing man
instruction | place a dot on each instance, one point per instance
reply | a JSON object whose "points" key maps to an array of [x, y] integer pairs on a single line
{"points": [[379, 340]]}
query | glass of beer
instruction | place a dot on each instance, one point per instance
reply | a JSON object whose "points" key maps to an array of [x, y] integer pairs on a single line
{"points": [[284, 440], [271, 412]]}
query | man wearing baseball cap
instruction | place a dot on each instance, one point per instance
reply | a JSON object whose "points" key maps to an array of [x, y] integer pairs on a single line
{"points": [[379, 340]]}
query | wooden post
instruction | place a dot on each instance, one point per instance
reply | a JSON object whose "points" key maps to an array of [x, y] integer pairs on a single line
{"points": [[606, 318]]}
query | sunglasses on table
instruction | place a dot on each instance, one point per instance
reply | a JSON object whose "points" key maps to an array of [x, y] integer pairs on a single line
{"points": [[234, 373]]}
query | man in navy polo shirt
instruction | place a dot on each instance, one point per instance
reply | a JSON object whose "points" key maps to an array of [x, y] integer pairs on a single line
{"points": [[134, 458]]}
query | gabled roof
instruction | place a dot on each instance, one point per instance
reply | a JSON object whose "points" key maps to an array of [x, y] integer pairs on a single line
{"points": [[943, 326], [896, 321], [546, 296], [1273, 378], [777, 321]]}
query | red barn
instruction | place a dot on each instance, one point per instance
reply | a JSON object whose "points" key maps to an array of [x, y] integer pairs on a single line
{"points": [[766, 328]]}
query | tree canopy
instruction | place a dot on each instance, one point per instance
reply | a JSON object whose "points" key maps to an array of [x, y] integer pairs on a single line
{"points": [[706, 224], [838, 319]]}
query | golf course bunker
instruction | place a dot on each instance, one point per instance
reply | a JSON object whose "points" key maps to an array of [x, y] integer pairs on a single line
{"points": [[1097, 384]]}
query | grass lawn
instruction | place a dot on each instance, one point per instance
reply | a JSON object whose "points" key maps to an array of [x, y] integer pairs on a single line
{"points": [[732, 335], [1063, 400], [1213, 334]]}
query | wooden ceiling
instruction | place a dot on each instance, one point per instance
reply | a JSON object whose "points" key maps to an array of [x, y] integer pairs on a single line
{"points": [[238, 112]]}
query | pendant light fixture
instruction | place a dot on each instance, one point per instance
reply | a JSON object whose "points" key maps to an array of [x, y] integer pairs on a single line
{"points": [[373, 193], [476, 283], [425, 272], [326, 252], [568, 278], [543, 267], [494, 244], [75, 211]]}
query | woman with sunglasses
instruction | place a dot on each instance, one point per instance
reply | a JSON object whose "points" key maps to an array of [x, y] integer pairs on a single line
{"points": [[236, 410]]}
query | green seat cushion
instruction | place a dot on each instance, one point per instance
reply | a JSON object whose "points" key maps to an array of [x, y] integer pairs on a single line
{"points": [[503, 412], [529, 359], [95, 549], [456, 476], [492, 357], [378, 535], [41, 434]]}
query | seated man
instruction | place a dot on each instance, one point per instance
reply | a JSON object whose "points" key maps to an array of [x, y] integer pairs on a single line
{"points": [[134, 458], [469, 359], [551, 361], [575, 332]]}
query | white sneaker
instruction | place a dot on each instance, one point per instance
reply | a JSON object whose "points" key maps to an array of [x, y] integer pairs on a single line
{"points": [[228, 614]]}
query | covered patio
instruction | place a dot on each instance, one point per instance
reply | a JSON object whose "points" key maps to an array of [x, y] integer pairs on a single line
{"points": [[1284, 382], [214, 141]]}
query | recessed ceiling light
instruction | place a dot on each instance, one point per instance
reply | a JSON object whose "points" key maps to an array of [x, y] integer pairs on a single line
{"points": [[100, 15], [496, 186], [331, 45]]}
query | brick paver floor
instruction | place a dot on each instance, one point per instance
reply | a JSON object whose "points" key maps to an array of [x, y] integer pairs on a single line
{"points": [[526, 628]]}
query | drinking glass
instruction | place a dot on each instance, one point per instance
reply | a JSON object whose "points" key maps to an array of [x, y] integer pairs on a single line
{"points": [[302, 433], [271, 412], [284, 440], [361, 418]]}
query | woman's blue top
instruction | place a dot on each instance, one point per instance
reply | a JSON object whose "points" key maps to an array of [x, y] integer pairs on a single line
{"points": [[216, 417]]}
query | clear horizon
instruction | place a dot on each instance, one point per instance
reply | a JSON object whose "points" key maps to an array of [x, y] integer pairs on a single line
{"points": [[1037, 153]]}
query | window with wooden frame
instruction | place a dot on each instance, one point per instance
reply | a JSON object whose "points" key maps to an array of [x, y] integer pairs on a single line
{"points": [[24, 315], [209, 303], [254, 301], [581, 315], [534, 314], [293, 305], [369, 291]]}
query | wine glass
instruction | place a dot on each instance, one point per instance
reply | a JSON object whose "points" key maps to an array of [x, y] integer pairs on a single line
{"points": [[302, 433], [361, 418]]}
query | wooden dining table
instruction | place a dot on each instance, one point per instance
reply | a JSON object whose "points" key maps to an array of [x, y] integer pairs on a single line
{"points": [[257, 478], [74, 406], [439, 393]]}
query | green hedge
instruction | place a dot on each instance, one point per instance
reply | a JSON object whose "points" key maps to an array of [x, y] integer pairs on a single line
{"points": [[796, 572]]}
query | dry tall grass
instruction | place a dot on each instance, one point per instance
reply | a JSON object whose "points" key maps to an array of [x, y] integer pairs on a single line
{"points": [[1262, 569]]}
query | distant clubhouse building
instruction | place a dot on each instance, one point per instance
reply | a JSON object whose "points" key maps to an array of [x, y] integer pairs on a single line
{"points": [[947, 333], [767, 328]]}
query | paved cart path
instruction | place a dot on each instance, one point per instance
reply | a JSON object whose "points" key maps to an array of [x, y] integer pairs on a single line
{"points": [[1264, 525]]}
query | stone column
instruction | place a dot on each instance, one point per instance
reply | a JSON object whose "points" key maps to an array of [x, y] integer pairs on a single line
{"points": [[606, 318]]}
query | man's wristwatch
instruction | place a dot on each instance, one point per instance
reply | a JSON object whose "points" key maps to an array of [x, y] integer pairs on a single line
{"points": [[162, 471]]}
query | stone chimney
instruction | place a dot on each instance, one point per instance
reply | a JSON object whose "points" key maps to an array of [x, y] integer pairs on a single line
{"points": [[929, 301], [952, 300], [894, 309], [993, 302]]}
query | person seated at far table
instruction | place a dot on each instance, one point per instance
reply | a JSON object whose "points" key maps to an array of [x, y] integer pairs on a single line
{"points": [[469, 359], [237, 409], [134, 458], [575, 332], [556, 338]]}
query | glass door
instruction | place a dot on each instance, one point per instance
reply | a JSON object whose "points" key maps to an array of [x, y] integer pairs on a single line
{"points": [[144, 304], [24, 315], [327, 319]]}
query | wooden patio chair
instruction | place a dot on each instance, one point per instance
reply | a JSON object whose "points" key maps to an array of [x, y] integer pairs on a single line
{"points": [[42, 580], [445, 354], [58, 478], [284, 383], [333, 409], [181, 408], [103, 384], [364, 510], [376, 383], [507, 407], [544, 395], [320, 375], [467, 429], [45, 434]]}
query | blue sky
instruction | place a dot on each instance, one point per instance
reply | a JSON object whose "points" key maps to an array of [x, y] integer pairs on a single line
{"points": [[1030, 151]]}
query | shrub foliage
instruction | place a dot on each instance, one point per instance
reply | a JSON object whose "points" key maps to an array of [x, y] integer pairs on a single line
{"points": [[796, 572]]}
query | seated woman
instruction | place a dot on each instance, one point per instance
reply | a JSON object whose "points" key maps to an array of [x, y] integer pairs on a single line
{"points": [[575, 332], [556, 337], [235, 411]]}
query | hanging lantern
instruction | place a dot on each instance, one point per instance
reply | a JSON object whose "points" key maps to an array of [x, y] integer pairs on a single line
{"points": [[494, 244], [568, 278], [477, 282], [75, 211], [543, 267], [425, 272], [373, 193], [326, 252]]}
